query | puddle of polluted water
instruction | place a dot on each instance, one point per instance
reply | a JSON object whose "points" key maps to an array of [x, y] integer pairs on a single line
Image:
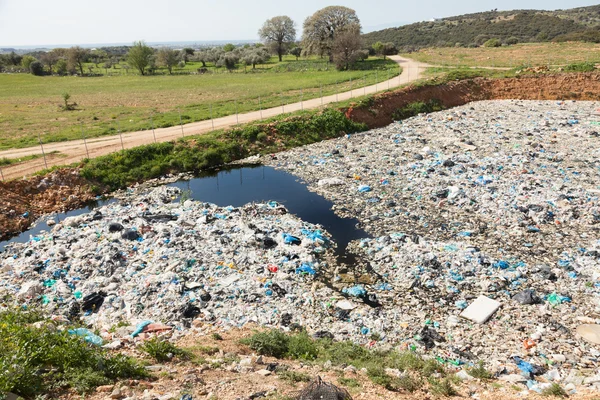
{"points": [[238, 186]]}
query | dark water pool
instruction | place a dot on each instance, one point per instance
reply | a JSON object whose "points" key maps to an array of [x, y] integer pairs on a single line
{"points": [[239, 186]]}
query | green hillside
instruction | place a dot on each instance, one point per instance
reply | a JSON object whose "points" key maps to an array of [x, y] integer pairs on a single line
{"points": [[522, 26]]}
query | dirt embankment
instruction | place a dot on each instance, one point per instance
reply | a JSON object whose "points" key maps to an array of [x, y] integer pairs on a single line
{"points": [[25, 200], [583, 86]]}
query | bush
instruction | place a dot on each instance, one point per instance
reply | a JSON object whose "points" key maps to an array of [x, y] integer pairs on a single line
{"points": [[492, 43], [416, 108], [262, 137], [271, 343], [302, 347], [480, 372], [512, 41], [162, 350], [442, 387], [555, 390], [26, 61], [581, 67], [36, 68], [61, 67], [34, 360]]}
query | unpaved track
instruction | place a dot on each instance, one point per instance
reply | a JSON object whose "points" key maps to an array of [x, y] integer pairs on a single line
{"points": [[75, 150]]}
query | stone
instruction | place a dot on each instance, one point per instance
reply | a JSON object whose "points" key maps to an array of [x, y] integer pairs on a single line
{"points": [[264, 372]]}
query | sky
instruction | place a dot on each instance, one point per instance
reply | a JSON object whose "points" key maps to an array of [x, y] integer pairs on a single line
{"points": [[56, 22]]}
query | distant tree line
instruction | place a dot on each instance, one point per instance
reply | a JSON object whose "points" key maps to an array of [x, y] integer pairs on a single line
{"points": [[332, 32]]}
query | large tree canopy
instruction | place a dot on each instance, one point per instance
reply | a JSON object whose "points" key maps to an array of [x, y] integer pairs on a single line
{"points": [[140, 56], [278, 33], [321, 29]]}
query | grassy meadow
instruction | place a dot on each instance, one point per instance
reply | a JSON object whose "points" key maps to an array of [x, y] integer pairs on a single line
{"points": [[527, 54], [30, 105]]}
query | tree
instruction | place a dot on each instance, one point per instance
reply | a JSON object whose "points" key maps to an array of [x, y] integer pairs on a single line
{"points": [[49, 59], [140, 56], [228, 60], [346, 47], [77, 57], [297, 52], [389, 49], [36, 68], [378, 48], [321, 29], [203, 57], [186, 53], [167, 58], [61, 66], [27, 60], [228, 47], [278, 33], [253, 56]]}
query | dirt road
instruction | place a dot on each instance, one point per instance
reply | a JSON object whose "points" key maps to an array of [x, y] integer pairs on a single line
{"points": [[76, 150]]}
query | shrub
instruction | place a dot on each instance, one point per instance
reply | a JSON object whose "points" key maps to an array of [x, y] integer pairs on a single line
{"points": [[293, 376], [581, 67], [61, 67], [492, 43], [34, 360], [271, 343], [418, 107], [480, 372], [512, 41], [555, 390], [162, 350], [36, 68], [262, 137], [442, 387], [301, 346], [26, 61]]}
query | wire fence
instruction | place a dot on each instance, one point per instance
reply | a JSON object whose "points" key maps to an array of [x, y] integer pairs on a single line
{"points": [[288, 101]]}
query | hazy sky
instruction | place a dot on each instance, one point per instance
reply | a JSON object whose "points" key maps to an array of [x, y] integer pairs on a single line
{"points": [[42, 22]]}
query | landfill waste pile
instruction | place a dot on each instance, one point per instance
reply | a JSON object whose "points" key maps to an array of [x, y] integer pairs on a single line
{"points": [[484, 223], [156, 264], [485, 242]]}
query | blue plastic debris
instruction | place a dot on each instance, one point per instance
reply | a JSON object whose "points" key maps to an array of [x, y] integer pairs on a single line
{"points": [[305, 269], [501, 264], [461, 304], [289, 239], [356, 291], [140, 328], [87, 335], [364, 188]]}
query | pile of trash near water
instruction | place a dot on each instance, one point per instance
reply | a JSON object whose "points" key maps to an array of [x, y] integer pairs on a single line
{"points": [[485, 221], [150, 259]]}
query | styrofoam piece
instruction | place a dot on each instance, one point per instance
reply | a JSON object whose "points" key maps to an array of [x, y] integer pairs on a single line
{"points": [[481, 309]]}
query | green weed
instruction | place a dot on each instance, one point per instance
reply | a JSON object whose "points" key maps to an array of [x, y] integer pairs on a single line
{"points": [[349, 383], [34, 360], [442, 387], [480, 372], [555, 390], [293, 376], [162, 350]]}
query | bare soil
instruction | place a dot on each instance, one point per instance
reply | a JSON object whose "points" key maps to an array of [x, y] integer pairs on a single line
{"points": [[225, 382], [582, 86]]}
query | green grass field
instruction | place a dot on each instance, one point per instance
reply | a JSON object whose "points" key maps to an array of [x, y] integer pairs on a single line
{"points": [[30, 105], [528, 54]]}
